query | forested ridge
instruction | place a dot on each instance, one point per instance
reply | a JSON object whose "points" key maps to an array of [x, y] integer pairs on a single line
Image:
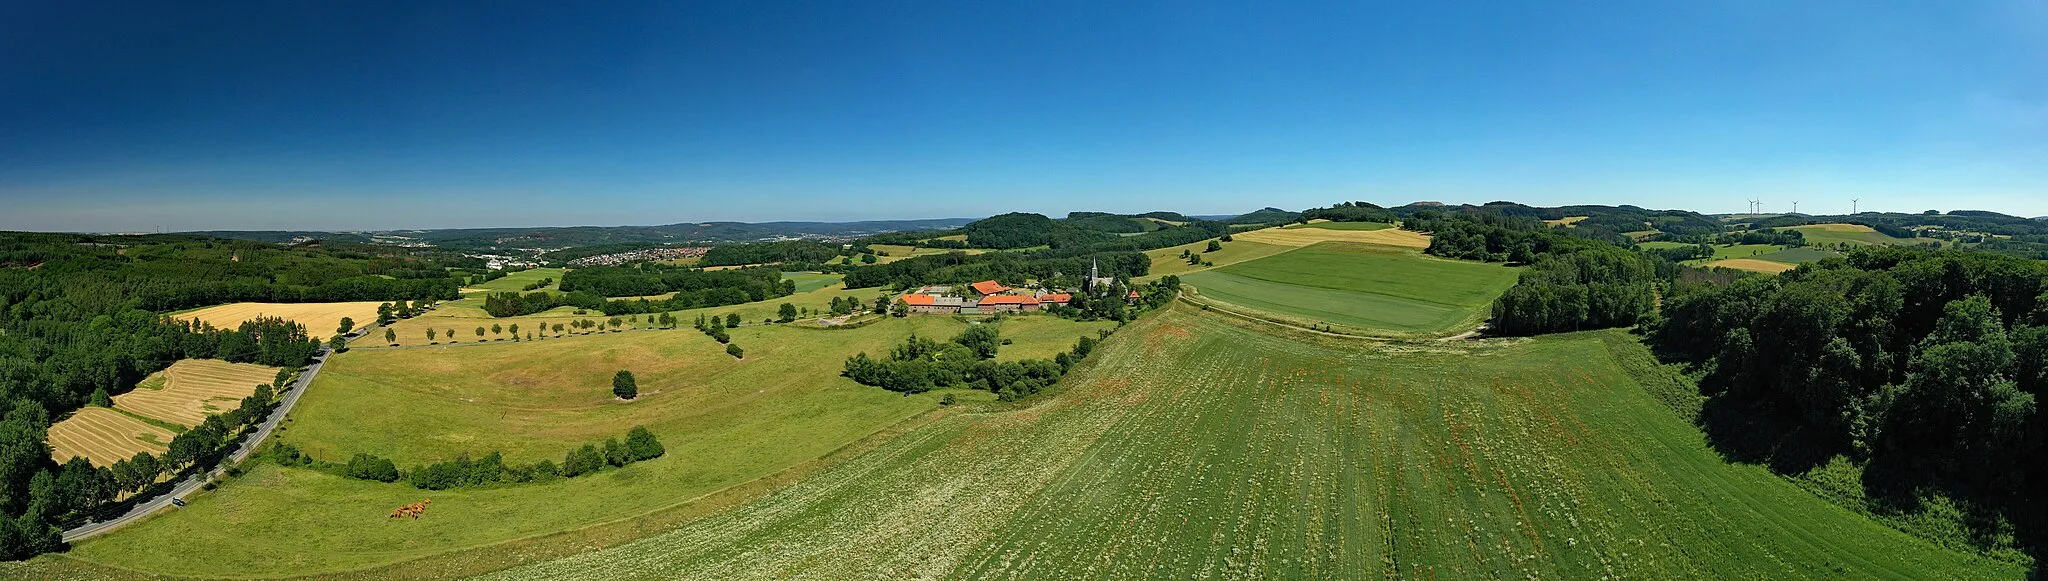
{"points": [[81, 319], [1923, 366]]}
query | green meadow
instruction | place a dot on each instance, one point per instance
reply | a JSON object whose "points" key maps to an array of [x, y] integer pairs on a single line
{"points": [[725, 422], [1194, 446], [1363, 286]]}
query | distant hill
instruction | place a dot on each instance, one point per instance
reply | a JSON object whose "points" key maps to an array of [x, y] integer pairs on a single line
{"points": [[1266, 215], [487, 239]]}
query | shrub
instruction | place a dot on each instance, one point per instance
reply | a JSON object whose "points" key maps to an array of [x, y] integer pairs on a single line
{"points": [[624, 386], [734, 350], [643, 445]]}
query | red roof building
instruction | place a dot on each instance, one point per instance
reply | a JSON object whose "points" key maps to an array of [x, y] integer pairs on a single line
{"points": [[1002, 303], [1059, 298], [989, 287], [916, 300]]}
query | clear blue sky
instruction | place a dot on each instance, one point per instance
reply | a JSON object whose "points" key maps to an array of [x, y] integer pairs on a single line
{"points": [[359, 115]]}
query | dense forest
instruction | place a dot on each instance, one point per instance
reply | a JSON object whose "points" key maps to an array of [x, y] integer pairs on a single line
{"points": [[81, 320], [1349, 212], [768, 252], [1925, 365], [1063, 265]]}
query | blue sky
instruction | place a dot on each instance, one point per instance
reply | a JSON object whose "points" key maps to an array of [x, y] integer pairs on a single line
{"points": [[368, 116]]}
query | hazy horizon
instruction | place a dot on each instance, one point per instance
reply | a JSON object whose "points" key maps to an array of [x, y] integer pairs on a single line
{"points": [[382, 116]]}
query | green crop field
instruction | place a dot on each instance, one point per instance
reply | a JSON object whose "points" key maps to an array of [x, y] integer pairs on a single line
{"points": [[1799, 255], [1194, 448], [1362, 286], [1342, 226], [725, 422], [810, 281], [1846, 234], [517, 281]]}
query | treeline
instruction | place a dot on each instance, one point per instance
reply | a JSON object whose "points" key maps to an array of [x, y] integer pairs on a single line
{"points": [[766, 252], [1569, 284], [1926, 365], [1025, 230], [1065, 266], [649, 278], [1349, 212], [921, 364], [1011, 268], [490, 469], [586, 289]]}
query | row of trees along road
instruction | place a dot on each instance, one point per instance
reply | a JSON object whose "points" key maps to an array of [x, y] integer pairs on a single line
{"points": [[81, 319]]}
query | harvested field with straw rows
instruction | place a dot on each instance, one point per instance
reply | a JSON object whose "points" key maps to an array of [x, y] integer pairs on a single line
{"points": [[193, 388], [320, 319], [105, 436]]}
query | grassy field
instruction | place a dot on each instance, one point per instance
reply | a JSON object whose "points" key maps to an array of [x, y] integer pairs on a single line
{"points": [[1853, 234], [1167, 261], [725, 422], [189, 390], [1307, 236], [537, 400], [1361, 286], [810, 281], [1799, 255], [1567, 221], [1194, 448], [516, 282], [105, 436], [1328, 225], [320, 319]]}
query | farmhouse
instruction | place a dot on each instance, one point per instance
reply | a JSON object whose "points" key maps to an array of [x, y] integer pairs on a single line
{"points": [[989, 287], [1007, 304]]}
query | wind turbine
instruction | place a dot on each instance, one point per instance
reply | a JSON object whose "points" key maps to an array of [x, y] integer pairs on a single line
{"points": [[1852, 205], [1795, 206]]}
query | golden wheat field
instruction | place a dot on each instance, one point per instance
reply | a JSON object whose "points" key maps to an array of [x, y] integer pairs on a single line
{"points": [[320, 319], [192, 388], [1752, 264], [1307, 236], [105, 436]]}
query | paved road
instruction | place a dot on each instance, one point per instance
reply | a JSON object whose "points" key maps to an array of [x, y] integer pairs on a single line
{"points": [[192, 483]]}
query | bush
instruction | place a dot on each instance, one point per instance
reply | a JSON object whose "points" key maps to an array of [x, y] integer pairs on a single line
{"points": [[735, 351], [643, 445], [624, 386], [367, 467]]}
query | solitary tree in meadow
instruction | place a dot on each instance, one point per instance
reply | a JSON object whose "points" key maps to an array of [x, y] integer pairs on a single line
{"points": [[1214, 246], [347, 324], [451, 335], [430, 335], [624, 386], [390, 336], [786, 312], [479, 332], [732, 319], [497, 329]]}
